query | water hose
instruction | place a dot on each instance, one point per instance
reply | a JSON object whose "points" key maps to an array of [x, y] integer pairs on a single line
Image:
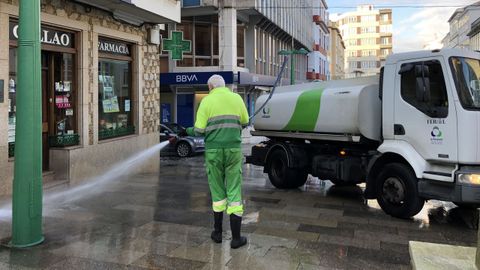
{"points": [[279, 78]]}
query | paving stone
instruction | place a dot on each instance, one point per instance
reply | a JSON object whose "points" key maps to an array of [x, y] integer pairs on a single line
{"points": [[326, 230], [99, 251], [253, 262], [378, 256], [84, 264], [371, 243], [29, 257], [293, 255], [308, 236], [164, 262]]}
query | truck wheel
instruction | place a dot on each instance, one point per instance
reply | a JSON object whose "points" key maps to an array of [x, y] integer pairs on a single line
{"points": [[397, 191], [280, 175]]}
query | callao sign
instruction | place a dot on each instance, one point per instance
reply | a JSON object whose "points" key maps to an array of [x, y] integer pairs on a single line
{"points": [[48, 36]]}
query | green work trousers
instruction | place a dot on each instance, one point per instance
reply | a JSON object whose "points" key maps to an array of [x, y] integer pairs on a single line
{"points": [[224, 169]]}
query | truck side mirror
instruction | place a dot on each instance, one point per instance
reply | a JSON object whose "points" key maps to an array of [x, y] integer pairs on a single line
{"points": [[422, 85]]}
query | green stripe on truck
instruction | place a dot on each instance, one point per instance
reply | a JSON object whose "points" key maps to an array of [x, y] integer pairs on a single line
{"points": [[306, 112]]}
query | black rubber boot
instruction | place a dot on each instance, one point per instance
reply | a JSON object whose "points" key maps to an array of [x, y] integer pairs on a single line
{"points": [[217, 233], [235, 225]]}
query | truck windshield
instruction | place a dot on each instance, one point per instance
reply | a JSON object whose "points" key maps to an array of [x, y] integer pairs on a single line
{"points": [[466, 72]]}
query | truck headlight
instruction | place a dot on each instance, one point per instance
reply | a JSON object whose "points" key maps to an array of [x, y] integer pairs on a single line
{"points": [[473, 179]]}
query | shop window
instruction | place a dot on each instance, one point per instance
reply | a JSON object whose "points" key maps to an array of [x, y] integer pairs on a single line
{"points": [[215, 39], [241, 41], [12, 103], [64, 128], [186, 62], [115, 103]]}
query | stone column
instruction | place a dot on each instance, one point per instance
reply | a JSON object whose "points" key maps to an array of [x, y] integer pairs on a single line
{"points": [[250, 45], [227, 24]]}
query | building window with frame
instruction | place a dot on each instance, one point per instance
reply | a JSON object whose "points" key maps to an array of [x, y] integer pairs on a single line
{"points": [[204, 34], [241, 46], [115, 99]]}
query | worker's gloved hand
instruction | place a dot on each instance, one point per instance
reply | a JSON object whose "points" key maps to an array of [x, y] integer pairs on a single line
{"points": [[173, 139], [190, 131]]}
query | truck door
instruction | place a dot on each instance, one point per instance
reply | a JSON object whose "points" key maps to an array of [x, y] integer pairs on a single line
{"points": [[425, 115]]}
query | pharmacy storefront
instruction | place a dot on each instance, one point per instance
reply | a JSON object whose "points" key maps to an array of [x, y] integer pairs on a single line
{"points": [[100, 90]]}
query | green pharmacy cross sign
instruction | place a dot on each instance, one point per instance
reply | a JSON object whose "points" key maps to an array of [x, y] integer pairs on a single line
{"points": [[176, 45]]}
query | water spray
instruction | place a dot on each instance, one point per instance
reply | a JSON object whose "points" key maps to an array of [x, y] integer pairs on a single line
{"points": [[92, 185]]}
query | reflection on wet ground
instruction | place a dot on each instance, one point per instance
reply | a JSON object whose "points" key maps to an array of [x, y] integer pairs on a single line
{"points": [[151, 222]]}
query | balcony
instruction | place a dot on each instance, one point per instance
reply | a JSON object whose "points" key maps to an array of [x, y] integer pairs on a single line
{"points": [[319, 21], [311, 76]]}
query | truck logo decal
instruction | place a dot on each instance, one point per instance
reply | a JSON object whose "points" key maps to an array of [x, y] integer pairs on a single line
{"points": [[436, 133], [437, 136], [266, 112], [306, 111]]}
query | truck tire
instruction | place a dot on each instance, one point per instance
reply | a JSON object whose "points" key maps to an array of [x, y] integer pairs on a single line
{"points": [[397, 191], [280, 175]]}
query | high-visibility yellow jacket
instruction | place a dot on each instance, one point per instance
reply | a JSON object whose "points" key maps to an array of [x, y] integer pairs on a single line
{"points": [[220, 118]]}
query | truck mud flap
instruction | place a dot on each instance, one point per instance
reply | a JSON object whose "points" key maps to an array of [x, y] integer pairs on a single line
{"points": [[258, 156]]}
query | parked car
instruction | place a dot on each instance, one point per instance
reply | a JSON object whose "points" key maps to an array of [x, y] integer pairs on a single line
{"points": [[185, 145]]}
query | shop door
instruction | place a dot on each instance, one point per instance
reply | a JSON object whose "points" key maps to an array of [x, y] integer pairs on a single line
{"points": [[45, 110]]}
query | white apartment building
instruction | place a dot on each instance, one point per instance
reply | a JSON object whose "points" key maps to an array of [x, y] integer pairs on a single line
{"points": [[368, 36]]}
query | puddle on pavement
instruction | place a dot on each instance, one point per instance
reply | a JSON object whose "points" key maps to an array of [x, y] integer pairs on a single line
{"points": [[434, 212]]}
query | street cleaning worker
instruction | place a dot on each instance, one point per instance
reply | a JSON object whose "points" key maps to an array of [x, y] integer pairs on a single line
{"points": [[220, 118]]}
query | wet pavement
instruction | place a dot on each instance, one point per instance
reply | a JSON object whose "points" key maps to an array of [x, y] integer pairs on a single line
{"points": [[164, 222]]}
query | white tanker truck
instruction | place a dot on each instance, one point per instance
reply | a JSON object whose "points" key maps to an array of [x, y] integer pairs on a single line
{"points": [[411, 134]]}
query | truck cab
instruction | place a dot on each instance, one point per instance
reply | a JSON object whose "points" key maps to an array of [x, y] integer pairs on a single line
{"points": [[434, 122], [412, 134]]}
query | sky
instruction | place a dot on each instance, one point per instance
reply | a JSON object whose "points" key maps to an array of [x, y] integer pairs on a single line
{"points": [[416, 24]]}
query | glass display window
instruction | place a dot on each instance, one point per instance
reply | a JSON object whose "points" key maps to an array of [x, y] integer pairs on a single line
{"points": [[115, 95]]}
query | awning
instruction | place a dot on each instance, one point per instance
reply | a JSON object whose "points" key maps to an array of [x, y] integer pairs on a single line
{"points": [[135, 12], [245, 78]]}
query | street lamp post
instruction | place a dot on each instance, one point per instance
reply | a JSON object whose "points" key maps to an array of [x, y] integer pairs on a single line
{"points": [[27, 182], [302, 51]]}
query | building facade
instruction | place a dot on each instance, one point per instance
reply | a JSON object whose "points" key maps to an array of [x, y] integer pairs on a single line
{"points": [[240, 40], [460, 26], [336, 54], [100, 85], [318, 66], [367, 33], [474, 36]]}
